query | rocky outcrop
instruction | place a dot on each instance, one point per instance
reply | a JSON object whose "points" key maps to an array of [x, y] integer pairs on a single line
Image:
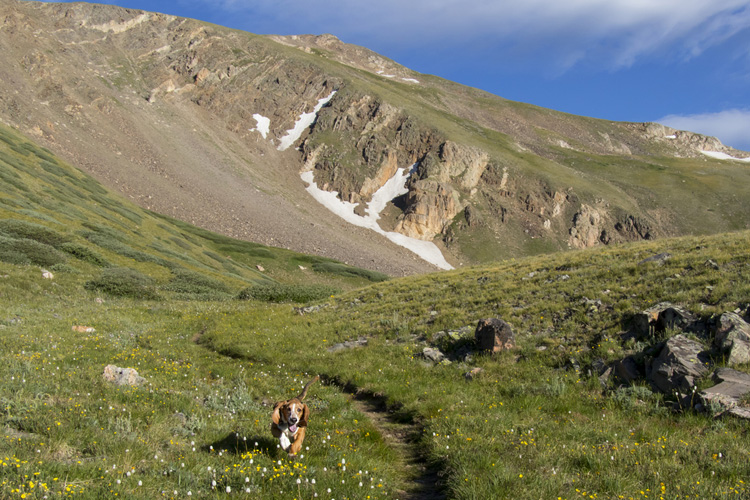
{"points": [[462, 164], [594, 225], [494, 335], [430, 206], [687, 142], [588, 227], [731, 386], [732, 338], [680, 364]]}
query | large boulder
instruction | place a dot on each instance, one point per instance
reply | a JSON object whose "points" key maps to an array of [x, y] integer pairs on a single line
{"points": [[731, 386], [681, 362], [494, 335], [732, 337], [661, 317]]}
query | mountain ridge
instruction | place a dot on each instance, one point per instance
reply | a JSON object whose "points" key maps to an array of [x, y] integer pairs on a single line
{"points": [[163, 110]]}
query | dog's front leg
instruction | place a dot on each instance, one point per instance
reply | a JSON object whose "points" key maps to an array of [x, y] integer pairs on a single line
{"points": [[296, 445]]}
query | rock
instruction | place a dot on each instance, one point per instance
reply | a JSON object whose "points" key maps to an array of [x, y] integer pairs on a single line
{"points": [[588, 225], [732, 336], [712, 264], [122, 376], [260, 268], [681, 362], [309, 309], [494, 335], [349, 344], [659, 258], [739, 354], [731, 386], [660, 317], [674, 317], [430, 206], [433, 355], [83, 329], [627, 370], [47, 275], [474, 373]]}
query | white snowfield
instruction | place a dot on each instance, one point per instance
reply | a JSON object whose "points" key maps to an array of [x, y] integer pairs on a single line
{"points": [[303, 122], [393, 188], [264, 125], [724, 156]]}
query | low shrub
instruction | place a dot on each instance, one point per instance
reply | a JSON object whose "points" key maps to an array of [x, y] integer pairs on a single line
{"points": [[84, 253], [124, 282], [191, 282], [30, 230], [278, 292], [340, 269], [25, 251]]}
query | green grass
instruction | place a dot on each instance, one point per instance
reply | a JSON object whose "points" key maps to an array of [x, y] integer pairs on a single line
{"points": [[533, 424]]}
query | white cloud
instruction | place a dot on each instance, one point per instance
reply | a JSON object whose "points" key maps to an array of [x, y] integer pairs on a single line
{"points": [[612, 32], [731, 126]]}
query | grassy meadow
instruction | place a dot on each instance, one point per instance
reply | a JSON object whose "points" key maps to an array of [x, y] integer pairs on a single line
{"points": [[219, 342]]}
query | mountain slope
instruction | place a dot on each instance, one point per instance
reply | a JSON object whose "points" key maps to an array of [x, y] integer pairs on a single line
{"points": [[173, 113], [54, 216]]}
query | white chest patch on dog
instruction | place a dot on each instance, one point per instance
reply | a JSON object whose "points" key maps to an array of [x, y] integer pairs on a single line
{"points": [[284, 442]]}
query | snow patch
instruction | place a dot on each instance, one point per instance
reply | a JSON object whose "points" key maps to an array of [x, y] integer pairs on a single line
{"points": [[395, 186], [264, 125], [724, 156], [303, 123], [410, 80], [670, 136]]}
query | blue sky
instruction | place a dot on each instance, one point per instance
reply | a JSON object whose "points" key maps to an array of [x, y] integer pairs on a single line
{"points": [[684, 63]]}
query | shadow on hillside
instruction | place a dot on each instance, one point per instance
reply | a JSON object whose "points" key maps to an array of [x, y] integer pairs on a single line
{"points": [[237, 445]]}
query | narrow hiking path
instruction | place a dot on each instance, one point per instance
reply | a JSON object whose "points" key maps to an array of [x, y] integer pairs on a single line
{"points": [[419, 479], [402, 434]]}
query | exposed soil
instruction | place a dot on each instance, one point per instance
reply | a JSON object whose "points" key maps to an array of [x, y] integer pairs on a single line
{"points": [[402, 434]]}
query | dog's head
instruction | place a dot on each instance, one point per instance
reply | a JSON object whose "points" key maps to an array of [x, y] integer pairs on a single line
{"points": [[292, 413]]}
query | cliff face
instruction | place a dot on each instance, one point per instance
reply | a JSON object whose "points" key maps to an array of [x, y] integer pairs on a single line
{"points": [[186, 118]]}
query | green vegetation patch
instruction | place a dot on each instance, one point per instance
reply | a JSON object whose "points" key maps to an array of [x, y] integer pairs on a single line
{"points": [[84, 253], [349, 271], [278, 292], [25, 251], [37, 232], [196, 285], [124, 282]]}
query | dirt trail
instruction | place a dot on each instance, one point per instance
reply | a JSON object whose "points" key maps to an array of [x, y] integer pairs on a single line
{"points": [[421, 481]]}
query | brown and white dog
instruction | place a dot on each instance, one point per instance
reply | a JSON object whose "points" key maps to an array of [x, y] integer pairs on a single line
{"points": [[289, 421]]}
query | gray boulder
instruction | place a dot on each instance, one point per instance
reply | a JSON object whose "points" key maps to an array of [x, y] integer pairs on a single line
{"points": [[122, 376], [433, 355], [732, 337], [681, 362], [731, 386]]}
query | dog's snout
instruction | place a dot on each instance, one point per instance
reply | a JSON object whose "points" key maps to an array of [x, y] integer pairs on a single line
{"points": [[293, 420]]}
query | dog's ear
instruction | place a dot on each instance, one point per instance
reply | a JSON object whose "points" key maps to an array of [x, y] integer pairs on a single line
{"points": [[276, 415], [305, 415]]}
